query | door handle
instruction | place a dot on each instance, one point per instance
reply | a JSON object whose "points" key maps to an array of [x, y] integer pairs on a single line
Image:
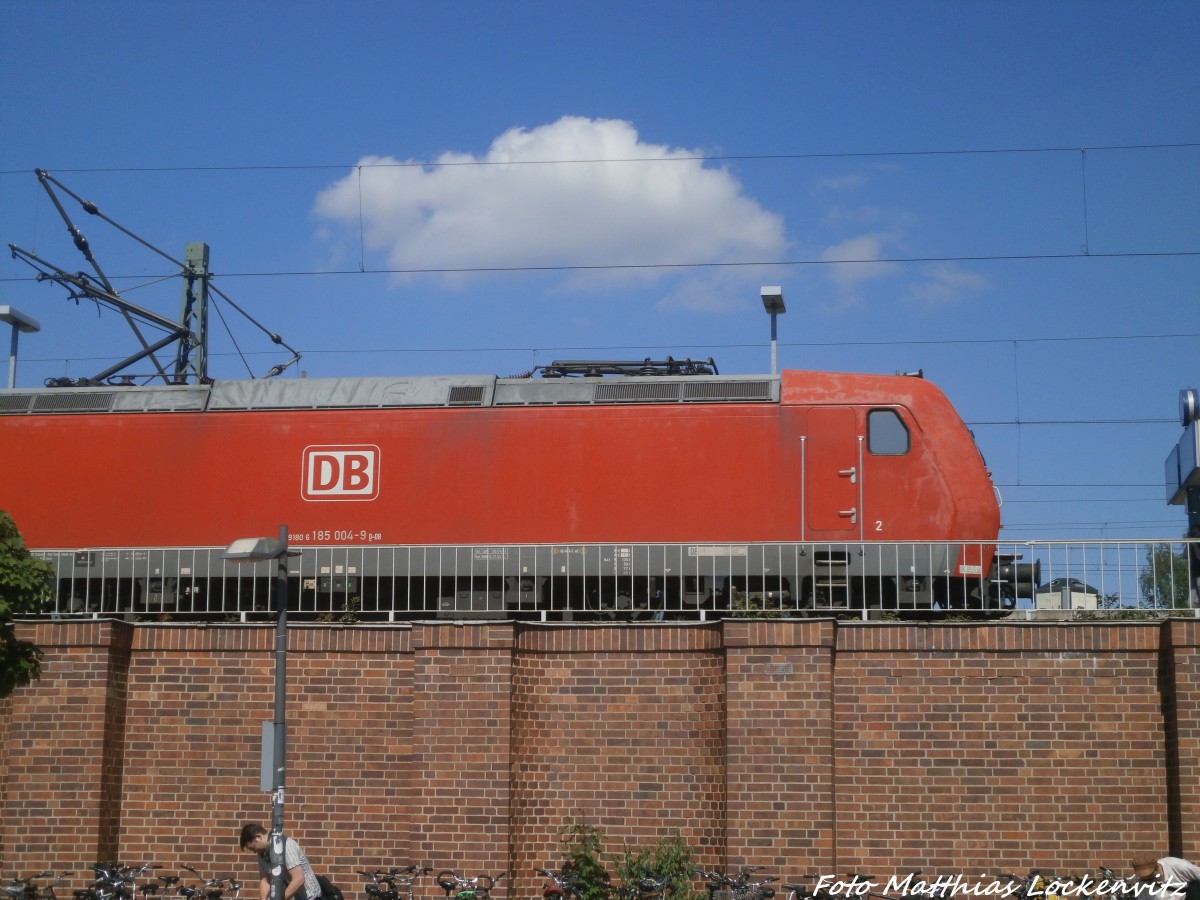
{"points": [[851, 514], [851, 473]]}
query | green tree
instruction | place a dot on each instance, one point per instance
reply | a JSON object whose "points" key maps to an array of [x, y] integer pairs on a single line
{"points": [[25, 584], [1164, 579]]}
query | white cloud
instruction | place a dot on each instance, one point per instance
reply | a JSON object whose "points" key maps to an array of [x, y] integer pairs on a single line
{"points": [[854, 261], [565, 194], [945, 284], [849, 181], [721, 291], [838, 216], [859, 260]]}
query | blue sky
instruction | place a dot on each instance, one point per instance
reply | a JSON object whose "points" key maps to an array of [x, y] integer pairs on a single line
{"points": [[1005, 195]]}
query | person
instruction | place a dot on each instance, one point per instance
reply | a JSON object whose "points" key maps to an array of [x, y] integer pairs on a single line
{"points": [[300, 882], [1179, 875]]}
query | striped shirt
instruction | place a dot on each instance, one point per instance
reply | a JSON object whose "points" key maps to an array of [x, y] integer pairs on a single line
{"points": [[293, 857]]}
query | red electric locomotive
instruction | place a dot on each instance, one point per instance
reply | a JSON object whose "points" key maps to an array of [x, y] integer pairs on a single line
{"points": [[590, 489]]}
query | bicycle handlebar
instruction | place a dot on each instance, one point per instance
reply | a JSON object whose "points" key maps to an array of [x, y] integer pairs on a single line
{"points": [[407, 872]]}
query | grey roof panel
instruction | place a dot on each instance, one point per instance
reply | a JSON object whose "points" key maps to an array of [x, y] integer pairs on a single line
{"points": [[432, 391], [352, 393]]}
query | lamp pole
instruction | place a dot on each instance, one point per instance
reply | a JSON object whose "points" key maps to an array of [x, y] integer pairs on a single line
{"points": [[772, 298], [279, 729], [256, 550]]}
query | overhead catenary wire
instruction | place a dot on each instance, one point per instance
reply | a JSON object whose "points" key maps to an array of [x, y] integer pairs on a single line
{"points": [[713, 157], [356, 169], [712, 348], [758, 263]]}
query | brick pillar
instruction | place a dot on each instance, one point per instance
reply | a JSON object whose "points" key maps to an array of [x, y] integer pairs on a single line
{"points": [[65, 742], [462, 688], [621, 729], [779, 781], [1181, 706], [6, 708]]}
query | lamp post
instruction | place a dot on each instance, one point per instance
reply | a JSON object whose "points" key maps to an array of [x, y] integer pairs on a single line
{"points": [[772, 298], [19, 322], [254, 550]]}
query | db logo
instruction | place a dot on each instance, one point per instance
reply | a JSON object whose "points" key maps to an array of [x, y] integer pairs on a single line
{"points": [[341, 472]]}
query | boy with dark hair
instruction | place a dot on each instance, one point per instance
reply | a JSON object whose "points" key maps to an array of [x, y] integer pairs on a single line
{"points": [[300, 882]]}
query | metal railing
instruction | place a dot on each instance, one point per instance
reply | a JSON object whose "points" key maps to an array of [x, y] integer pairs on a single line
{"points": [[627, 580]]}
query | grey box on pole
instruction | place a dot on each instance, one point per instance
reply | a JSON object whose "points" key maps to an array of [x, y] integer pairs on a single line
{"points": [[266, 775]]}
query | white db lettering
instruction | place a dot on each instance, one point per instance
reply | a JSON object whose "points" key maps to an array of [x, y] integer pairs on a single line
{"points": [[341, 473]]}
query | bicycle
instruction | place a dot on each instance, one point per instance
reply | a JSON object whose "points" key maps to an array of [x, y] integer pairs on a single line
{"points": [[393, 884], [562, 885], [477, 888], [796, 891], [113, 880], [802, 892], [739, 884], [27, 889], [1032, 885], [211, 888], [646, 887], [168, 888]]}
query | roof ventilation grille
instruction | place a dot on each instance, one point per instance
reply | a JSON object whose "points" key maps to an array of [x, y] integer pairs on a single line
{"points": [[637, 392], [727, 390], [101, 401], [466, 395], [15, 403]]}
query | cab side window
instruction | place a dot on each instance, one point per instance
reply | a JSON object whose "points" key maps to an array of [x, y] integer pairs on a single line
{"points": [[887, 435]]}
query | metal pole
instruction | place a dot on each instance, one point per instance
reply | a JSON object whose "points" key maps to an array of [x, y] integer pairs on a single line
{"points": [[12, 358], [279, 877], [774, 347], [1192, 551]]}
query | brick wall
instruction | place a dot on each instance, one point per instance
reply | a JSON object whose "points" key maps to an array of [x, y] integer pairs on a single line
{"points": [[613, 728], [805, 747], [984, 748]]}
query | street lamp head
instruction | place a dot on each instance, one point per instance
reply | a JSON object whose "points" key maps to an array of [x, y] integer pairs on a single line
{"points": [[19, 320], [772, 298], [253, 550]]}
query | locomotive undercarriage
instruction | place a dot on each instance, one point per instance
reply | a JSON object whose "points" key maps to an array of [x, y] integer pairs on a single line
{"points": [[543, 582]]}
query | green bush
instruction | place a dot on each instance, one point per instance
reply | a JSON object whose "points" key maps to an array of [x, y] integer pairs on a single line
{"points": [[582, 848], [670, 857]]}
